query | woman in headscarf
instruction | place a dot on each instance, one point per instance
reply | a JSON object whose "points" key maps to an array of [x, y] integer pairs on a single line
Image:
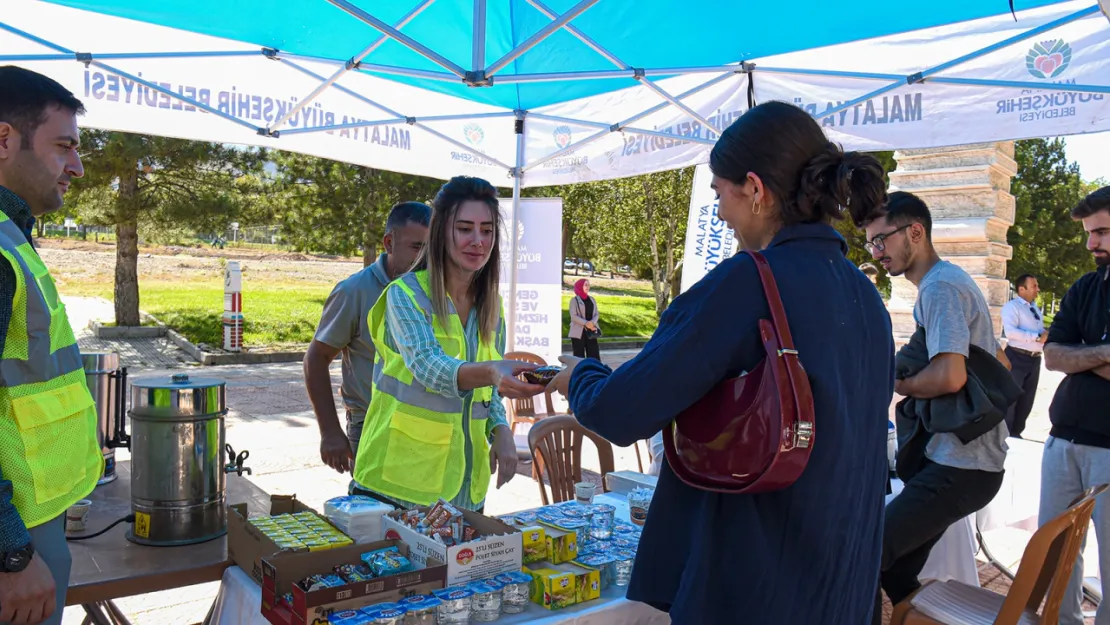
{"points": [[583, 322]]}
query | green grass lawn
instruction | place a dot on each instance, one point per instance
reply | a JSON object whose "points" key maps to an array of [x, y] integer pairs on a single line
{"points": [[274, 314], [620, 315], [285, 314]]}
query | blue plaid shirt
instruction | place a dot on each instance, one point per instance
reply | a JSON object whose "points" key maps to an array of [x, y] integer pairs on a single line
{"points": [[13, 534], [407, 332]]}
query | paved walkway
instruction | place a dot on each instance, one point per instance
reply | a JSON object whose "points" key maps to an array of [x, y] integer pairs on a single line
{"points": [[145, 353]]}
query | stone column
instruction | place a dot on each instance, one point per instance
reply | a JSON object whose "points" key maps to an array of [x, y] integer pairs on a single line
{"points": [[967, 189]]}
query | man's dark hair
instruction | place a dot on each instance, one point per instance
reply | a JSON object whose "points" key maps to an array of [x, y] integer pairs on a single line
{"points": [[1093, 203], [25, 98], [408, 212], [906, 208], [1023, 280]]}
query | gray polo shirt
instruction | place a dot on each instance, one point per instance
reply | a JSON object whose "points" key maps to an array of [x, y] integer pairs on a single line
{"points": [[955, 315], [343, 325]]}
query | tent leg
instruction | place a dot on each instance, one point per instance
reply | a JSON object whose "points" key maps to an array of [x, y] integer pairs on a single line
{"points": [[514, 224]]}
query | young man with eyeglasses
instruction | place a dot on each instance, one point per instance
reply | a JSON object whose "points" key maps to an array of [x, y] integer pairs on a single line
{"points": [[955, 479], [1077, 452], [1023, 325]]}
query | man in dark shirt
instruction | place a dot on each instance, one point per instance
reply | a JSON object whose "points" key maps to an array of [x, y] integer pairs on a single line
{"points": [[1077, 452], [38, 158]]}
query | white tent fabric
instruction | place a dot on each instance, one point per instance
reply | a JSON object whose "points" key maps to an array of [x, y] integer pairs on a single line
{"points": [[1046, 73]]}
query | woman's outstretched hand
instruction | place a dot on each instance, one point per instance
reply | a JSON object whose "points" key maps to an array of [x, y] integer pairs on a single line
{"points": [[502, 376], [561, 382]]}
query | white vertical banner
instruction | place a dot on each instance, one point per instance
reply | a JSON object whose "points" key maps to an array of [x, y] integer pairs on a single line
{"points": [[708, 239], [539, 289]]}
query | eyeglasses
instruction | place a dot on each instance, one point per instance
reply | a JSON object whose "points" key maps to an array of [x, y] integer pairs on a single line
{"points": [[878, 244]]}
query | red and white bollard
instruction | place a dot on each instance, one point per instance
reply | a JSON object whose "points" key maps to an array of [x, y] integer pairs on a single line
{"points": [[233, 307]]}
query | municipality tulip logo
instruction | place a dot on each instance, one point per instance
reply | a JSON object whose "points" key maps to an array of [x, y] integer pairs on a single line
{"points": [[1048, 59], [473, 134], [562, 136]]}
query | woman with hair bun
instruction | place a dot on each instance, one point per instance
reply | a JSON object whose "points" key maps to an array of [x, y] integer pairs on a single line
{"points": [[808, 553], [436, 427]]}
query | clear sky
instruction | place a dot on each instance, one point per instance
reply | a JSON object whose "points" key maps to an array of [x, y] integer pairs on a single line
{"points": [[1092, 152]]}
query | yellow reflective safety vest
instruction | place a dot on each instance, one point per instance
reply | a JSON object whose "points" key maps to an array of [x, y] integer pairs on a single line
{"points": [[48, 443], [415, 441]]}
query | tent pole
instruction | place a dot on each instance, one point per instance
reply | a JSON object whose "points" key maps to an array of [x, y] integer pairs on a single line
{"points": [[478, 54], [926, 74], [535, 39], [408, 120], [355, 60], [514, 224], [399, 37], [621, 125]]}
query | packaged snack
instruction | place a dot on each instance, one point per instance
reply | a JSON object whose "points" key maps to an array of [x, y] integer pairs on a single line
{"points": [[420, 609], [542, 375], [287, 600], [516, 587], [454, 607], [485, 605], [552, 588], [605, 565], [317, 582], [354, 572], [385, 614], [525, 518], [349, 617], [388, 561]]}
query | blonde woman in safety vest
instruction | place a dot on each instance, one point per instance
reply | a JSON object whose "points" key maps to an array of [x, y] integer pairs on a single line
{"points": [[49, 455], [436, 426]]}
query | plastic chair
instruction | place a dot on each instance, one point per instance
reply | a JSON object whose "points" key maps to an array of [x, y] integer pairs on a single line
{"points": [[1042, 577], [523, 410], [556, 445]]}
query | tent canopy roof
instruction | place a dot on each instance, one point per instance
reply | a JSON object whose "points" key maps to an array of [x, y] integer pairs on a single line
{"points": [[651, 34]]}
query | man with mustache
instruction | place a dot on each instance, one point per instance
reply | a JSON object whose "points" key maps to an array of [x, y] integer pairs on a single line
{"points": [[1077, 452], [955, 478], [49, 455]]}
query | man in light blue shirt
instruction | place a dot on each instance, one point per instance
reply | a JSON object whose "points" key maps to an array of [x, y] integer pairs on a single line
{"points": [[1023, 324]]}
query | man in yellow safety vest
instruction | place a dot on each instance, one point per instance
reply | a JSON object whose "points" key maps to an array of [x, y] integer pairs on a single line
{"points": [[49, 455]]}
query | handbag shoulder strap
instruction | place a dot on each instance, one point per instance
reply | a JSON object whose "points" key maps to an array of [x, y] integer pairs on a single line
{"points": [[774, 301]]}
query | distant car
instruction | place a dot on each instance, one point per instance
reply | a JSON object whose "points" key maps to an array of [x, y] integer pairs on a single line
{"points": [[570, 263], [624, 269], [586, 266]]}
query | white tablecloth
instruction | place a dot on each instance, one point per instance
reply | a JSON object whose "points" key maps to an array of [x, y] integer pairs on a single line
{"points": [[954, 556], [240, 600]]}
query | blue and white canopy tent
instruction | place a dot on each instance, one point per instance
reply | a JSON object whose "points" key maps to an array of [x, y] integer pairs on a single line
{"points": [[543, 92]]}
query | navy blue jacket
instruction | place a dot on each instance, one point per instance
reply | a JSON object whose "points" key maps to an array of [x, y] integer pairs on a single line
{"points": [[806, 554]]}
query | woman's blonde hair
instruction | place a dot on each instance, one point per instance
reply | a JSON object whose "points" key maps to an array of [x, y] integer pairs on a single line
{"points": [[436, 254]]}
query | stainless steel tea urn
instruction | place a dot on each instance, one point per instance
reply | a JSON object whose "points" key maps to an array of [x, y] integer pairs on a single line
{"points": [[107, 382], [177, 470]]}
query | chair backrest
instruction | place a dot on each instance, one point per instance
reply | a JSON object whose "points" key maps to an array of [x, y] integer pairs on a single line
{"points": [[525, 407], [1048, 561], [556, 445]]}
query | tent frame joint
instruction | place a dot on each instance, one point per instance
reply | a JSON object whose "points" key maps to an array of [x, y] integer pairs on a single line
{"points": [[915, 79], [84, 57], [266, 132], [271, 53], [477, 78], [745, 67], [638, 73]]}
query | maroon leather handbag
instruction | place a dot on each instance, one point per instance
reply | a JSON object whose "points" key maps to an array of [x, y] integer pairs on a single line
{"points": [[754, 433]]}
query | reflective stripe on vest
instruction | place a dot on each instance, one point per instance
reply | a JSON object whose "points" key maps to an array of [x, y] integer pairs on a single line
{"points": [[48, 443], [414, 446]]}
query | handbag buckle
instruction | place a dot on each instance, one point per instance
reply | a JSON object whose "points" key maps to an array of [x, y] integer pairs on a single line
{"points": [[803, 435], [784, 351]]}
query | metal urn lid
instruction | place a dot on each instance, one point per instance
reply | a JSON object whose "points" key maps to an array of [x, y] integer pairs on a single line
{"points": [[178, 396]]}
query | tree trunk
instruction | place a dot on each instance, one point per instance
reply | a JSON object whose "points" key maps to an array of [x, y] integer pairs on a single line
{"points": [[41, 225], [127, 250], [658, 279]]}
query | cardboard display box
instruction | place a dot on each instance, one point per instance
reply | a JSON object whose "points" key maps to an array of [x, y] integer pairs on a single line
{"points": [[281, 572], [246, 545], [498, 548]]}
